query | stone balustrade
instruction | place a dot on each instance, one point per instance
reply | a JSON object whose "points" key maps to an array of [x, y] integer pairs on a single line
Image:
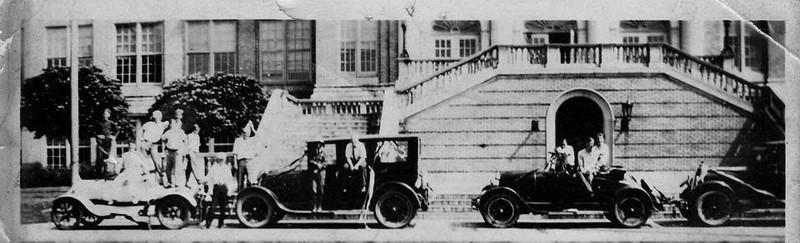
{"points": [[416, 69], [595, 57], [339, 107]]}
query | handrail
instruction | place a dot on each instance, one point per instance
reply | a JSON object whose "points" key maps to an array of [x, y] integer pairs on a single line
{"points": [[706, 64], [474, 56]]}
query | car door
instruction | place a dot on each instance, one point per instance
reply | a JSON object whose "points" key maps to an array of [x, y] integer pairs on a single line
{"points": [[293, 188]]}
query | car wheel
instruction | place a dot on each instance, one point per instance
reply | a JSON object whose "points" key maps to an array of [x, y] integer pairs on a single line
{"points": [[255, 210], [629, 211], [66, 214], [90, 220], [394, 210], [172, 212], [500, 211], [712, 208]]}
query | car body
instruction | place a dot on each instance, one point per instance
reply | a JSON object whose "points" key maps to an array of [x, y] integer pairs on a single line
{"points": [[86, 204], [398, 188], [626, 201], [712, 196]]}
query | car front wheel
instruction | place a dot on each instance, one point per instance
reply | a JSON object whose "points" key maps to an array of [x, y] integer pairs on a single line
{"points": [[394, 210], [66, 214], [629, 211], [90, 220], [712, 208], [500, 211], [172, 212], [255, 210]]}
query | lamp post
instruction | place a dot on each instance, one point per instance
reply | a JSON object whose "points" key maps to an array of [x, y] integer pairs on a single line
{"points": [[627, 110]]}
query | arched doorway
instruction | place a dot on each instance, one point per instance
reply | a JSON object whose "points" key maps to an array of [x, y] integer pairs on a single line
{"points": [[577, 114], [576, 119]]}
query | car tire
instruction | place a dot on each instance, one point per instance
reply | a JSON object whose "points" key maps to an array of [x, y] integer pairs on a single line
{"points": [[173, 212], [394, 210], [712, 208], [91, 221], [629, 211], [66, 214], [500, 211], [255, 210]]}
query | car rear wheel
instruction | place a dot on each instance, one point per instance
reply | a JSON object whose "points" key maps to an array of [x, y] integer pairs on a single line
{"points": [[394, 210], [255, 210], [712, 208], [629, 211], [500, 211], [66, 214], [172, 212]]}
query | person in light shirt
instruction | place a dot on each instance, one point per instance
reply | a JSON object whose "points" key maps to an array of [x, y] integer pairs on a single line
{"points": [[588, 158], [562, 157], [245, 151], [175, 141], [220, 180], [192, 151], [602, 149], [356, 154], [151, 135]]}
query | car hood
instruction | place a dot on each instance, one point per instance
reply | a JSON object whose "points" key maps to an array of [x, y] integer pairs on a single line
{"points": [[516, 177]]}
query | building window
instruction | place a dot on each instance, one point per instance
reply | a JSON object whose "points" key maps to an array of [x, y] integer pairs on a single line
{"points": [[630, 39], [57, 153], [752, 56], [286, 51], [211, 47], [442, 48], [57, 47], [656, 39], [644, 31], [537, 39], [85, 44], [459, 37], [733, 43], [359, 47], [143, 64]]}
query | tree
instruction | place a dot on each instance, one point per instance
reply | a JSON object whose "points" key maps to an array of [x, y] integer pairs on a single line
{"points": [[45, 103], [221, 104]]}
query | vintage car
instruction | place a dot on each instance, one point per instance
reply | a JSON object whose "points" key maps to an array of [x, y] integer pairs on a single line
{"points": [[627, 202], [712, 196], [89, 202], [395, 196]]}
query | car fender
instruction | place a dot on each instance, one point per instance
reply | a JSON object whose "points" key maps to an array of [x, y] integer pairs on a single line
{"points": [[265, 191], [635, 191], [711, 185], [493, 190], [85, 202], [399, 186], [184, 195]]}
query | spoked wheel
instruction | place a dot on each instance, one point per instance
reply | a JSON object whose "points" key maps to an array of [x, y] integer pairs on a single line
{"points": [[500, 211], [66, 214], [255, 210], [629, 212], [712, 208], [394, 210], [172, 212], [90, 220]]}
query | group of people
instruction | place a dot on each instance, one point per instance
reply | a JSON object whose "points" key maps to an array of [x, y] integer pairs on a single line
{"points": [[355, 166], [590, 160]]}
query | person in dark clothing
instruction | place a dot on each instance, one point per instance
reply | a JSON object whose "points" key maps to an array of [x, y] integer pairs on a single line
{"points": [[105, 135]]}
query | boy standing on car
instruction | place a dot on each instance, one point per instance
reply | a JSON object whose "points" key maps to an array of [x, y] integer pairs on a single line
{"points": [[152, 132], [192, 149], [175, 141]]}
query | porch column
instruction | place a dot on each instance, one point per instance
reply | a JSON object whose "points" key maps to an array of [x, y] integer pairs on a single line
{"points": [[486, 32], [691, 40], [598, 31], [502, 32]]}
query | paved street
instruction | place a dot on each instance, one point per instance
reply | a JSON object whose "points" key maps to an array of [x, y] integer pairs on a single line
{"points": [[470, 229]]}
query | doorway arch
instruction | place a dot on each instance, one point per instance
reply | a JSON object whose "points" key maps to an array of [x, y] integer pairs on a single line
{"points": [[593, 113]]}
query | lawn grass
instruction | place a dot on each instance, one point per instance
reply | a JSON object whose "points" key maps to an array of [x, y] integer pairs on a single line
{"points": [[35, 203]]}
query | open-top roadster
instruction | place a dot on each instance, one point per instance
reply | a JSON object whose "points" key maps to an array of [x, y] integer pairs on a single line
{"points": [[396, 193], [627, 202], [89, 202]]}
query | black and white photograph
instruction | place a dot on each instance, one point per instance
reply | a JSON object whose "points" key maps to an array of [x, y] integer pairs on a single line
{"points": [[410, 120]]}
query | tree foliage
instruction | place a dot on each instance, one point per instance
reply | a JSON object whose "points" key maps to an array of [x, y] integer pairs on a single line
{"points": [[221, 104], [46, 110]]}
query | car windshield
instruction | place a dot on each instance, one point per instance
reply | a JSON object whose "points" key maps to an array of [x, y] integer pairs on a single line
{"points": [[391, 152]]}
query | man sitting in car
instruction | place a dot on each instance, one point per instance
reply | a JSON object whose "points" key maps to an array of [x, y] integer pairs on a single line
{"points": [[356, 154]]}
